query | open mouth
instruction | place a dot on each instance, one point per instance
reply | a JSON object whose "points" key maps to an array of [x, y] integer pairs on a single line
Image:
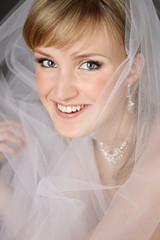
{"points": [[70, 109]]}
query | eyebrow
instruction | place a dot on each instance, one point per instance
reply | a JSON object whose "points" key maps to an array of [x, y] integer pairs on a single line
{"points": [[90, 55], [42, 53], [80, 56]]}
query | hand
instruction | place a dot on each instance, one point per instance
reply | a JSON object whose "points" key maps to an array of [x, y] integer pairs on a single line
{"points": [[12, 138]]}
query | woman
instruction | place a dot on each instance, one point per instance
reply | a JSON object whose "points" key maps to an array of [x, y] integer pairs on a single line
{"points": [[90, 168]]}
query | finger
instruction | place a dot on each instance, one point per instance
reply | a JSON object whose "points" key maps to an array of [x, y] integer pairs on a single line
{"points": [[4, 148], [12, 138], [9, 122], [2, 123], [10, 128], [15, 123], [18, 132], [2, 157]]}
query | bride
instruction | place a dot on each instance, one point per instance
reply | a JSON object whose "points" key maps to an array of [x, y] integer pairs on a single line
{"points": [[82, 81]]}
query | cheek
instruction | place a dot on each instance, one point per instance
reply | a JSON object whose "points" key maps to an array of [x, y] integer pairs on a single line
{"points": [[94, 88], [43, 84]]}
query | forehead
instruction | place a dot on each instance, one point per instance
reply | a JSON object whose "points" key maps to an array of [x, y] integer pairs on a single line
{"points": [[100, 41]]}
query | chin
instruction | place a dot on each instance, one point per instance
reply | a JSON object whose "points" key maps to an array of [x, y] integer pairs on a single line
{"points": [[70, 134], [67, 134]]}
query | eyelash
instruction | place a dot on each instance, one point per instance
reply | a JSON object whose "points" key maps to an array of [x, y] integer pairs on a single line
{"points": [[41, 60], [96, 63]]}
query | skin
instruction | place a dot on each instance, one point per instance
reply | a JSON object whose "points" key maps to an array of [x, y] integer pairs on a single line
{"points": [[12, 138], [70, 82]]}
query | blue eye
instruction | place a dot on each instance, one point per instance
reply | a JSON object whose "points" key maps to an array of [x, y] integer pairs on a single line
{"points": [[91, 65], [46, 63]]}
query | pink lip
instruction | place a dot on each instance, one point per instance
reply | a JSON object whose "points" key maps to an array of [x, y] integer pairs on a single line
{"points": [[69, 115]]}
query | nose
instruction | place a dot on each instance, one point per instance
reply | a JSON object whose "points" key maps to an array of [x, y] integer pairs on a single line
{"points": [[65, 88]]}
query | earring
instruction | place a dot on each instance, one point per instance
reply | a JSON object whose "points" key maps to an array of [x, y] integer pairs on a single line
{"points": [[129, 96]]}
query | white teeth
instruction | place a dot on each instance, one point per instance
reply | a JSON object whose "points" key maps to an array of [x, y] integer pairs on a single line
{"points": [[59, 107], [73, 109], [70, 109], [78, 108], [63, 109]]}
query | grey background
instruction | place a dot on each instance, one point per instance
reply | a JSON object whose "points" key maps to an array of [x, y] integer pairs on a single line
{"points": [[7, 5]]}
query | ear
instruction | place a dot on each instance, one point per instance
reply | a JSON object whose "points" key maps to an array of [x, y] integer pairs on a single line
{"points": [[136, 68]]}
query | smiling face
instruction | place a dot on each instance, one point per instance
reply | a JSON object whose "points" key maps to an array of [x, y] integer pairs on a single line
{"points": [[69, 81]]}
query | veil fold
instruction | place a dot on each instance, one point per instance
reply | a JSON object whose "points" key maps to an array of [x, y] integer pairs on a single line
{"points": [[51, 188]]}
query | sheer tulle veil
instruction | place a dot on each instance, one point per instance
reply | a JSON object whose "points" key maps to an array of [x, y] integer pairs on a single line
{"points": [[52, 189]]}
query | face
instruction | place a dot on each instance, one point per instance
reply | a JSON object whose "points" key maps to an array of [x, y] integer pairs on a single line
{"points": [[69, 81]]}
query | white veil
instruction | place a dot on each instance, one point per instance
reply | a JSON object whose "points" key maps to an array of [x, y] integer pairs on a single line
{"points": [[51, 189]]}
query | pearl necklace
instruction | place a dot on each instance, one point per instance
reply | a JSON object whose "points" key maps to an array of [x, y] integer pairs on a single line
{"points": [[117, 153]]}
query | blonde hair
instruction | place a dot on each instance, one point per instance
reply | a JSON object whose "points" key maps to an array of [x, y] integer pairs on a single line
{"points": [[61, 23]]}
